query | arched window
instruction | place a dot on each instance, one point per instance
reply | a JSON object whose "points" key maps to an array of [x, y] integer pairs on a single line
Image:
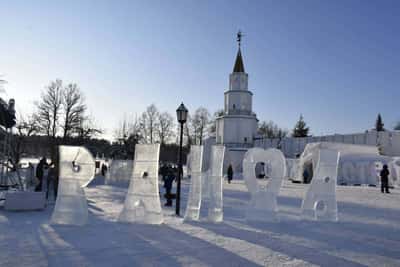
{"points": [[234, 106]]}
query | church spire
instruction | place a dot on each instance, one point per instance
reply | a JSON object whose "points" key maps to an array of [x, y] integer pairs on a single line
{"points": [[239, 67]]}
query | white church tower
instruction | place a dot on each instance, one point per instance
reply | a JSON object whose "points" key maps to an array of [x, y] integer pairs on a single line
{"points": [[237, 126]]}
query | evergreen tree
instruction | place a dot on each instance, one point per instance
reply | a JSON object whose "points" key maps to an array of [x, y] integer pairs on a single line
{"points": [[379, 124], [300, 129]]}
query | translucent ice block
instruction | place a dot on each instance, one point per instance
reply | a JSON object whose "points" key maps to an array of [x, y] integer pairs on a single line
{"points": [[320, 199], [292, 166], [142, 203], [76, 169], [119, 173], [215, 178], [76, 162], [194, 199], [263, 204]]}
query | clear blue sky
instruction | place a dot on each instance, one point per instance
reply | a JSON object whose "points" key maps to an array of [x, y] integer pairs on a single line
{"points": [[336, 62]]}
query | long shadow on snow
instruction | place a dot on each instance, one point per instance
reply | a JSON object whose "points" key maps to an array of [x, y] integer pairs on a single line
{"points": [[309, 254], [138, 244]]}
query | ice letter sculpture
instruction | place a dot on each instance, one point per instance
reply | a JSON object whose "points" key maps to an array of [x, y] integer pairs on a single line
{"points": [[263, 204], [142, 203], [76, 171], [119, 173], [215, 209], [320, 200], [194, 200]]}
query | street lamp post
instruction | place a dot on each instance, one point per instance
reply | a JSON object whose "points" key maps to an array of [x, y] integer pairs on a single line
{"points": [[181, 114]]}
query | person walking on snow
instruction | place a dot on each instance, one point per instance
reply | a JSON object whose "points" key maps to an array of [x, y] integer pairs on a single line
{"points": [[168, 180], [40, 168], [385, 179], [230, 173]]}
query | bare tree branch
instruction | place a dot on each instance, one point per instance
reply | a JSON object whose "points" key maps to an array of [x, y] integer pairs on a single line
{"points": [[166, 126], [74, 109], [149, 124], [49, 107]]}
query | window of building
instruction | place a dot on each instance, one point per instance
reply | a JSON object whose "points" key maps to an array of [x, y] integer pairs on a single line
{"points": [[245, 139]]}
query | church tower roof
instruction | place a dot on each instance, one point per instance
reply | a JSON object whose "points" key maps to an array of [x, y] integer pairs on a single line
{"points": [[239, 67]]}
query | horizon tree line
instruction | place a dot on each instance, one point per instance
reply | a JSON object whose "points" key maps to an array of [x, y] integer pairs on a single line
{"points": [[61, 115]]}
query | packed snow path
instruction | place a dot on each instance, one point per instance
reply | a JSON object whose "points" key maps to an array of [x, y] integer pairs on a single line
{"points": [[368, 234]]}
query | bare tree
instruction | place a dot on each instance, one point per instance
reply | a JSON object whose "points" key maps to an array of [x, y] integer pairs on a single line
{"points": [[127, 128], [149, 124], [87, 129], [187, 132], [73, 109], [271, 130], [212, 125], [165, 127], [200, 121], [127, 135], [49, 107], [25, 127], [122, 132]]}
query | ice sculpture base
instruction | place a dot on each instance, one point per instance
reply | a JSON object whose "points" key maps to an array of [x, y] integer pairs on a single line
{"points": [[71, 207], [324, 208], [215, 215], [192, 214], [263, 208]]}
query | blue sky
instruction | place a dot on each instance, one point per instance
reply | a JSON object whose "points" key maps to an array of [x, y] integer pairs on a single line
{"points": [[336, 62]]}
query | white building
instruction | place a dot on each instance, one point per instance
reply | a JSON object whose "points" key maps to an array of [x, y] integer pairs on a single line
{"points": [[237, 127]]}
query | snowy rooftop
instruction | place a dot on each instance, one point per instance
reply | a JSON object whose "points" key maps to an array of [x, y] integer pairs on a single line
{"points": [[368, 234]]}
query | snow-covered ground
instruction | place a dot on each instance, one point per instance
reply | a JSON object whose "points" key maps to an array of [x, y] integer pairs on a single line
{"points": [[368, 234]]}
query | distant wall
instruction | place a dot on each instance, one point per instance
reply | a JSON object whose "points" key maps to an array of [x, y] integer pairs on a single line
{"points": [[388, 142]]}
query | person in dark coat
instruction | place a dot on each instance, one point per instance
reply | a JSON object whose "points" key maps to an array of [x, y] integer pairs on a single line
{"points": [[230, 173], [39, 173], [385, 179], [104, 169], [168, 180], [164, 171]]}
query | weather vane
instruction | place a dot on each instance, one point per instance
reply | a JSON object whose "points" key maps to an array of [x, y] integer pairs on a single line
{"points": [[239, 37]]}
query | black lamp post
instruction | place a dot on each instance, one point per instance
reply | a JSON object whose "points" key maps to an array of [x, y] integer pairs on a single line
{"points": [[181, 114]]}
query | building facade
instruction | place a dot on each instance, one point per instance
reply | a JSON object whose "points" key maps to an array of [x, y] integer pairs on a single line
{"points": [[236, 128]]}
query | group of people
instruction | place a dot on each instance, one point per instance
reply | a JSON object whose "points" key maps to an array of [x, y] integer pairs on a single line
{"points": [[46, 174]]}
